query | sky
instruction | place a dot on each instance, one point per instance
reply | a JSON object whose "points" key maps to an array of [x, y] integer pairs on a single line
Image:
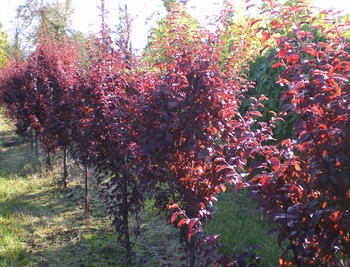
{"points": [[87, 19]]}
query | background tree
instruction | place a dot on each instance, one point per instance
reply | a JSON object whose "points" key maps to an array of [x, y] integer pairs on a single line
{"points": [[262, 70], [178, 23], [55, 16], [123, 29], [15, 49], [4, 47], [169, 3], [123, 32]]}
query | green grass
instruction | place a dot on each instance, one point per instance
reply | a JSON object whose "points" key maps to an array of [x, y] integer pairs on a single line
{"points": [[12, 251], [43, 224], [240, 227]]}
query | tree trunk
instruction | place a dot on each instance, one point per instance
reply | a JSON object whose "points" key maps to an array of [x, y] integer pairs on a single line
{"points": [[190, 246], [126, 224], [87, 204], [65, 172], [31, 137], [48, 159], [36, 144], [192, 249]]}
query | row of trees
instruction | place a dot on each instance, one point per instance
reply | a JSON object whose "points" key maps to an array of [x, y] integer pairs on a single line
{"points": [[186, 119]]}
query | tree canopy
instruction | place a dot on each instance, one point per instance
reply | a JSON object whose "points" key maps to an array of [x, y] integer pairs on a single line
{"points": [[168, 30], [4, 45], [55, 16], [169, 3]]}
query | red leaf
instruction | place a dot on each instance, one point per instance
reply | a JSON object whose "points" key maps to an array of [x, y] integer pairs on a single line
{"points": [[325, 45], [256, 165], [315, 110], [250, 6], [310, 51], [263, 49], [294, 58], [337, 88], [265, 180], [174, 216], [265, 36], [285, 82], [173, 206], [222, 167], [190, 234], [254, 21], [212, 239], [275, 23], [256, 113], [192, 222], [239, 186], [304, 147], [277, 65], [275, 163], [182, 222]]}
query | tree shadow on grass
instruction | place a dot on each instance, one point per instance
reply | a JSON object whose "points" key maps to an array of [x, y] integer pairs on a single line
{"points": [[60, 233], [54, 225], [55, 228]]}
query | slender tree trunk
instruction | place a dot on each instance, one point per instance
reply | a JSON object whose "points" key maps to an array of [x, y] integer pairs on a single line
{"points": [[190, 246], [87, 204], [126, 224], [170, 182], [103, 12], [127, 238], [31, 137], [48, 159], [36, 144], [192, 249], [65, 172]]}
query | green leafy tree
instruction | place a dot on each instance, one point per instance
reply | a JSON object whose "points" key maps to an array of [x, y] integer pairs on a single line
{"points": [[55, 16], [237, 31], [4, 45], [169, 3], [178, 24], [264, 72], [123, 32]]}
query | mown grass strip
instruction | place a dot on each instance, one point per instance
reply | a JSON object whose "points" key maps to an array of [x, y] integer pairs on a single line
{"points": [[12, 248]]}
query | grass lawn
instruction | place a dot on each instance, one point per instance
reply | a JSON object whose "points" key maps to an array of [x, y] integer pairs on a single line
{"points": [[240, 227], [43, 224]]}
